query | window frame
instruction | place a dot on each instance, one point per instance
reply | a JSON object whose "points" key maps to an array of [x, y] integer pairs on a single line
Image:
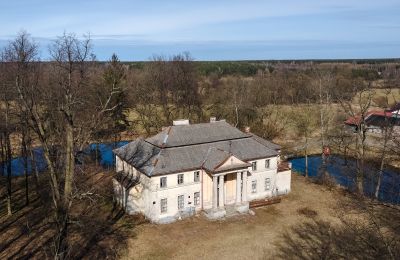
{"points": [[178, 177], [254, 166], [268, 162], [254, 186], [267, 184], [196, 199], [196, 176], [181, 204], [162, 206], [161, 182]]}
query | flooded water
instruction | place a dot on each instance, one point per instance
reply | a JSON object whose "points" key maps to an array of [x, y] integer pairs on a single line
{"points": [[104, 155], [341, 169], [344, 172]]}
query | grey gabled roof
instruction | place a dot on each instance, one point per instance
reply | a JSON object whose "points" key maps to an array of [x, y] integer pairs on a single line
{"points": [[139, 154], [180, 135], [214, 157], [152, 157], [266, 142]]}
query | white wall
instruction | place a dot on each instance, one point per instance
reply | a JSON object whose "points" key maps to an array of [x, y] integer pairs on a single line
{"points": [[146, 196], [283, 181], [171, 193], [260, 175]]}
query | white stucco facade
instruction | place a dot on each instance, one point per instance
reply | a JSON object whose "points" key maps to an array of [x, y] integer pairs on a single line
{"points": [[208, 191]]}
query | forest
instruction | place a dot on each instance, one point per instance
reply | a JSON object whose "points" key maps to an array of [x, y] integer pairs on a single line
{"points": [[71, 100]]}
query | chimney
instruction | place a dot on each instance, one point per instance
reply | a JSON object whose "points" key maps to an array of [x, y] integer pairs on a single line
{"points": [[247, 129], [213, 119], [181, 122]]}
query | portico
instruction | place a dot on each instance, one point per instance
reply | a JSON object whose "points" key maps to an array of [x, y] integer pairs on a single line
{"points": [[229, 189]]}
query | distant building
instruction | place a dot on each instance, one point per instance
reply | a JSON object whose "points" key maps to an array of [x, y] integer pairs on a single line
{"points": [[187, 168], [375, 121], [395, 109]]}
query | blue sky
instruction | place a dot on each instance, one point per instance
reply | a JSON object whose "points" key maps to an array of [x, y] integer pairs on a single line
{"points": [[214, 30]]}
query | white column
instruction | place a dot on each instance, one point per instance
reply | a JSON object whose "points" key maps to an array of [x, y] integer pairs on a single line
{"points": [[221, 191], [244, 191], [215, 190], [238, 187]]}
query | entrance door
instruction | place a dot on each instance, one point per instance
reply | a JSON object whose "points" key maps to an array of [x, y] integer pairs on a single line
{"points": [[230, 188]]}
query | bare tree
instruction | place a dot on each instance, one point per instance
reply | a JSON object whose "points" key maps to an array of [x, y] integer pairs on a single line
{"points": [[176, 87], [358, 109], [305, 124], [387, 128]]}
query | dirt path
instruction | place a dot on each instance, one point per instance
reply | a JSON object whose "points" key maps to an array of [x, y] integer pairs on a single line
{"points": [[241, 237]]}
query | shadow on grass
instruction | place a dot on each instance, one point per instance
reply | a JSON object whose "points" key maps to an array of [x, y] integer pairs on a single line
{"points": [[97, 228], [358, 235]]}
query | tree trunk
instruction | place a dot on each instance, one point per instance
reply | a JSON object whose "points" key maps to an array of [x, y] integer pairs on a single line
{"points": [[61, 242], [360, 161], [382, 165], [306, 157], [34, 169], [24, 155], [8, 160], [69, 162]]}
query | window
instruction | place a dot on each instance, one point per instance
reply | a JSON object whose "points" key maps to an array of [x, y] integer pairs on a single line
{"points": [[196, 176], [267, 164], [253, 186], [180, 178], [163, 205], [163, 182], [181, 202], [254, 166], [196, 198], [267, 184]]}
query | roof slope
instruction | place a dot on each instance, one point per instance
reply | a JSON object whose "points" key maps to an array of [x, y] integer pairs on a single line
{"points": [[374, 118], [139, 154], [267, 143], [152, 159], [180, 135], [214, 158]]}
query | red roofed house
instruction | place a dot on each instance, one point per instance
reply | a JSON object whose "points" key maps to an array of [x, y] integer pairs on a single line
{"points": [[375, 121]]}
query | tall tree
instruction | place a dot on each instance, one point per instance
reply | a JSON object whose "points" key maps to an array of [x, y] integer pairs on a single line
{"points": [[304, 124], [358, 108]]}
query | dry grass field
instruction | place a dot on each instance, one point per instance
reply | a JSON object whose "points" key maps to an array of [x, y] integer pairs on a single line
{"points": [[240, 237], [301, 224]]}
